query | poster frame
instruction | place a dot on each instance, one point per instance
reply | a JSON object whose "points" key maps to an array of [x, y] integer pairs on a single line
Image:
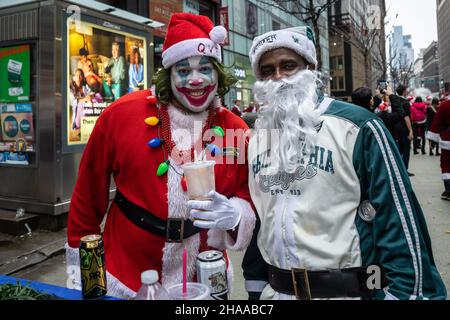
{"points": [[112, 27]]}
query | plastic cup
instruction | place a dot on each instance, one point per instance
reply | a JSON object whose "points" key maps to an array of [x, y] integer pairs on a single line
{"points": [[199, 179], [194, 291]]}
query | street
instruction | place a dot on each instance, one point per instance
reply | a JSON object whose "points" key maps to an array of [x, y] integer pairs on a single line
{"points": [[427, 185]]}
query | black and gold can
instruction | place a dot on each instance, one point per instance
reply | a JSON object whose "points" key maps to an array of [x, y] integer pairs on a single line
{"points": [[92, 265]]}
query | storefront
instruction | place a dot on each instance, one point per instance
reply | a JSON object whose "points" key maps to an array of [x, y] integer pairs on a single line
{"points": [[241, 69], [56, 58]]}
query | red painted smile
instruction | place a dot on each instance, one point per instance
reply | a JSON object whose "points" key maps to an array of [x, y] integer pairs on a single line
{"points": [[197, 97]]}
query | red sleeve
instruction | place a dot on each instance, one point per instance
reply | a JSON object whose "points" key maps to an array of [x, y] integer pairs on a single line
{"points": [[440, 122], [237, 111], [91, 194]]}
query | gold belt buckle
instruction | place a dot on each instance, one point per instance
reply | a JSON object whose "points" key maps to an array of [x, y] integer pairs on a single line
{"points": [[180, 230], [304, 273]]}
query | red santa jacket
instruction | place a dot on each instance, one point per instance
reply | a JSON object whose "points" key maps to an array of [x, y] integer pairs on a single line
{"points": [[118, 148], [440, 129]]}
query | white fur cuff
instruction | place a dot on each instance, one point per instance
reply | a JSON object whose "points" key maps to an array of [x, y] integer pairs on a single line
{"points": [[445, 145], [433, 136], [246, 226]]}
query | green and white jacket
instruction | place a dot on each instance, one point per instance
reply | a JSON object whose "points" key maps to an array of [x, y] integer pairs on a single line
{"points": [[318, 218]]}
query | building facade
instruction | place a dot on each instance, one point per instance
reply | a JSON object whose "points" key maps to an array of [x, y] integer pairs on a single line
{"points": [[430, 76], [416, 80], [401, 47], [443, 21], [357, 58]]}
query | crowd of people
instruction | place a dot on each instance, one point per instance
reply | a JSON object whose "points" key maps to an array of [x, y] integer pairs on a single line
{"points": [[409, 119]]}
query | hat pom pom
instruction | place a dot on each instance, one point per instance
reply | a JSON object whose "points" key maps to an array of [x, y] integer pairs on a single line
{"points": [[218, 34]]}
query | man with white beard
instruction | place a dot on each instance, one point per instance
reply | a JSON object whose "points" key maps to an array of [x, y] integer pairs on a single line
{"points": [[337, 214]]}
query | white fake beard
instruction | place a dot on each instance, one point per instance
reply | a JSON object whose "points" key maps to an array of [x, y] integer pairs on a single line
{"points": [[290, 109]]}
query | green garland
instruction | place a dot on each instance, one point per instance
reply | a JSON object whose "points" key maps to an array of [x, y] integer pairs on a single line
{"points": [[20, 292]]}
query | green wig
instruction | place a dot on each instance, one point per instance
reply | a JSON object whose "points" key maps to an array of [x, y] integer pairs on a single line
{"points": [[164, 92]]}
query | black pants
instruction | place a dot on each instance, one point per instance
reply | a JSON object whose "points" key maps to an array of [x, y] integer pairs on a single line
{"points": [[433, 145], [404, 146], [419, 132]]}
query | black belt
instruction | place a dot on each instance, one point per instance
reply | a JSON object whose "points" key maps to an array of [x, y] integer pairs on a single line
{"points": [[173, 230], [307, 285]]}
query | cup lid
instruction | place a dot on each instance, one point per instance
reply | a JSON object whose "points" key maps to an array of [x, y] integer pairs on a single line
{"points": [[199, 164], [195, 291]]}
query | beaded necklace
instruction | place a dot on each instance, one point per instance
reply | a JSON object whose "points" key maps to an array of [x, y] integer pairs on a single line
{"points": [[170, 146], [165, 140]]}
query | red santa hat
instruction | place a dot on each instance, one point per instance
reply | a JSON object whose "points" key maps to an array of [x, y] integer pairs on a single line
{"points": [[189, 35]]}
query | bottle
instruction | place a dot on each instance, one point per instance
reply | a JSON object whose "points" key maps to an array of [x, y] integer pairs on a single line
{"points": [[151, 289]]}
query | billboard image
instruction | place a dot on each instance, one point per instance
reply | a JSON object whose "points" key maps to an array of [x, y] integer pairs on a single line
{"points": [[15, 74], [17, 135], [103, 64]]}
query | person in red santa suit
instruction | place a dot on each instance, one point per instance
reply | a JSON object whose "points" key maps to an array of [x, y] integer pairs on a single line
{"points": [[440, 133], [143, 140]]}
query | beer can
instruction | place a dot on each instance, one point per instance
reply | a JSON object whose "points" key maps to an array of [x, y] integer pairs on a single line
{"points": [[212, 271], [92, 265]]}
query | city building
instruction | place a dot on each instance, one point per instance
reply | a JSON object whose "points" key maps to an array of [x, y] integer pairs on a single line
{"points": [[357, 45], [443, 22], [401, 49], [416, 79], [430, 76]]}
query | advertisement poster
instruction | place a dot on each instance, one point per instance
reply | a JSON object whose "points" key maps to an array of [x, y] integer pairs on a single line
{"points": [[17, 122], [17, 133], [103, 64], [15, 74]]}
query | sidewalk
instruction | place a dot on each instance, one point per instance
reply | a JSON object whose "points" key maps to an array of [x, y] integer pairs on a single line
{"points": [[428, 187], [18, 253], [41, 256]]}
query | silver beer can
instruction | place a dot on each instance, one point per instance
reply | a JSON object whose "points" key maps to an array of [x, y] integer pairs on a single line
{"points": [[212, 271]]}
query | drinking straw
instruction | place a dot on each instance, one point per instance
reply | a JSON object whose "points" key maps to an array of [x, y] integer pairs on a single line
{"points": [[184, 271]]}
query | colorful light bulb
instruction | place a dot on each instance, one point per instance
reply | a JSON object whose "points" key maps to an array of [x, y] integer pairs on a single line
{"points": [[218, 131], [152, 121], [163, 168], [155, 143]]}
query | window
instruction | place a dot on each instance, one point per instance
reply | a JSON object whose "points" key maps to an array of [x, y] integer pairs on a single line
{"points": [[207, 10], [332, 63], [337, 63], [276, 25], [337, 84], [340, 63], [341, 83]]}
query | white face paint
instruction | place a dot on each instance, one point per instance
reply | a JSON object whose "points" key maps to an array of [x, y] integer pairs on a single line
{"points": [[194, 83]]}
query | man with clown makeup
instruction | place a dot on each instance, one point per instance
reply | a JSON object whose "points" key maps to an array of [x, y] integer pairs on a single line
{"points": [[142, 140]]}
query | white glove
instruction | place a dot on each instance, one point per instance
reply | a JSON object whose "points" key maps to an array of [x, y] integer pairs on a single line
{"points": [[217, 213]]}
